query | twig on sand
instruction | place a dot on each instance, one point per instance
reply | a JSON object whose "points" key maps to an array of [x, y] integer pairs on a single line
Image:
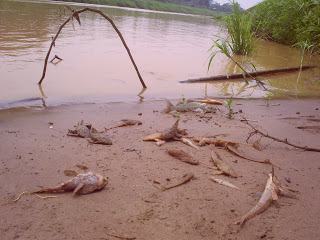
{"points": [[76, 15], [120, 237], [285, 141]]}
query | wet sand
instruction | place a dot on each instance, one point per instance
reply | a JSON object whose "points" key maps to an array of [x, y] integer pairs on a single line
{"points": [[34, 155]]}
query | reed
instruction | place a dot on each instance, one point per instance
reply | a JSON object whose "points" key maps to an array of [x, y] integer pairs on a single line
{"points": [[239, 27]]}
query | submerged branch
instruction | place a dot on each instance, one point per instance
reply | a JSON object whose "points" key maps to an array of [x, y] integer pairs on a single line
{"points": [[245, 74]]}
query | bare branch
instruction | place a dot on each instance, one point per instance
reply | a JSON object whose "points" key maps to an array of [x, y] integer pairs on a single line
{"points": [[76, 15], [285, 141]]}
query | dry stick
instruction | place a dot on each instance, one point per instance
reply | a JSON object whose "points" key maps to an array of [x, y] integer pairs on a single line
{"points": [[241, 75], [285, 141], [76, 14]]}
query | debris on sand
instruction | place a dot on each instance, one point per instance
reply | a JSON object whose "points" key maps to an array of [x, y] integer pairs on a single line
{"points": [[170, 134], [223, 182], [270, 194], [125, 122], [223, 167], [189, 106], [182, 156], [84, 183], [184, 179]]}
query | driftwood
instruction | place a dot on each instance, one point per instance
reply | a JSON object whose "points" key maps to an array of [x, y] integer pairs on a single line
{"points": [[285, 141], [76, 15], [245, 75]]}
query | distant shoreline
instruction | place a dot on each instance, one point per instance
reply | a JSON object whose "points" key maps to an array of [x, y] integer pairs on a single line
{"points": [[152, 5]]}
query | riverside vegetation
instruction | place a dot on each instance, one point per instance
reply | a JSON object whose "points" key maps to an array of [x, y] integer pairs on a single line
{"points": [[292, 22]]}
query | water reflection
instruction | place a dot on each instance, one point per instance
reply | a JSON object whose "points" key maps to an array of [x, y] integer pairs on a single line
{"points": [[95, 68]]}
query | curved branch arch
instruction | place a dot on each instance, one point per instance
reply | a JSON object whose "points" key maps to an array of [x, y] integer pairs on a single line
{"points": [[75, 15]]}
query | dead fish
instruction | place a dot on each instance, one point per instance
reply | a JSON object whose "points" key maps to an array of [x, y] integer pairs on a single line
{"points": [[270, 194], [170, 134], [182, 156], [125, 122], [189, 143], [223, 182], [185, 106], [84, 183], [207, 101], [214, 141], [222, 166], [99, 138], [238, 150], [167, 135], [80, 130], [184, 179]]}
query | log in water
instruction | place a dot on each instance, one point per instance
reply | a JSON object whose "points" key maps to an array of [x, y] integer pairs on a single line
{"points": [[251, 74]]}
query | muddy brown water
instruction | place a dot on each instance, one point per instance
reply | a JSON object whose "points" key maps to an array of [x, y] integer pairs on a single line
{"points": [[95, 67]]}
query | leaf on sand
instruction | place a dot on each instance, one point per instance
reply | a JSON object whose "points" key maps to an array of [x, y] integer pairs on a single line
{"points": [[222, 166], [223, 182], [70, 173], [182, 156]]}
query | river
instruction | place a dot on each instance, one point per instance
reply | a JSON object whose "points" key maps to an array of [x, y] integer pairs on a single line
{"points": [[96, 68]]}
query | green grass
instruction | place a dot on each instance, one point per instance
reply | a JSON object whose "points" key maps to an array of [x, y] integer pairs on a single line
{"points": [[152, 5], [239, 27], [292, 22]]}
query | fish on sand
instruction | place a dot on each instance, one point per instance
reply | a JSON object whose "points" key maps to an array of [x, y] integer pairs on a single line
{"points": [[173, 133], [271, 193], [80, 184]]}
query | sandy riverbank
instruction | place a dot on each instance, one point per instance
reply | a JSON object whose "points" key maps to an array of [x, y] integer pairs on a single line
{"points": [[34, 155]]}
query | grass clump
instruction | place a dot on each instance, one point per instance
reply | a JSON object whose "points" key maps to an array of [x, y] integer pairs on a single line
{"points": [[291, 22], [239, 27]]}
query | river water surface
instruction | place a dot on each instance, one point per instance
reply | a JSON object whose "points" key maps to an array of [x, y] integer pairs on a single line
{"points": [[96, 68]]}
